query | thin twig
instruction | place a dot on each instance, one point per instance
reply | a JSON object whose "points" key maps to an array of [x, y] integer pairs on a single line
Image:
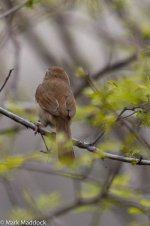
{"points": [[141, 139], [127, 116], [91, 83], [8, 5], [109, 180], [8, 76], [130, 109], [14, 9], [47, 150], [98, 137]]}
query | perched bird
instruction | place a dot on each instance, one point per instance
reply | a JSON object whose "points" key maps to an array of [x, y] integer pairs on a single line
{"points": [[57, 107]]}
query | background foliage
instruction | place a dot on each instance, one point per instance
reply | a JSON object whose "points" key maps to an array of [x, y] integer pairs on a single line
{"points": [[104, 47]]}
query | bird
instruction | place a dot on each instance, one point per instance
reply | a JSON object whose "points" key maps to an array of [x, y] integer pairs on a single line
{"points": [[57, 107]]}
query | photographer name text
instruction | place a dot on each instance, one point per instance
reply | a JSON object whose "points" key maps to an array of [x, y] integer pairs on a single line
{"points": [[23, 222]]}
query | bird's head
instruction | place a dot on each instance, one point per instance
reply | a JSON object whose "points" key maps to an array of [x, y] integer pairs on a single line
{"points": [[56, 72]]}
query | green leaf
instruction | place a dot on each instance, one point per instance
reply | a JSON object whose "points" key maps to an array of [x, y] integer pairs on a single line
{"points": [[11, 163], [85, 160], [84, 113], [14, 161], [93, 7], [122, 180], [123, 192], [119, 4], [15, 108], [100, 154], [144, 118], [134, 211], [112, 145], [127, 93], [45, 202], [145, 202], [80, 72], [145, 31], [21, 214], [31, 3], [135, 162], [90, 190], [84, 209]]}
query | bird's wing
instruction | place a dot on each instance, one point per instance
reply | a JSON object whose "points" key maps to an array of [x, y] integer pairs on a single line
{"points": [[71, 105], [45, 99]]}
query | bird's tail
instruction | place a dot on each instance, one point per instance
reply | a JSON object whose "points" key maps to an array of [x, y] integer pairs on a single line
{"points": [[64, 140]]}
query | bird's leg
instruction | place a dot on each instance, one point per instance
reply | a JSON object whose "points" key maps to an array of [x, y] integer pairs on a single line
{"points": [[38, 125]]}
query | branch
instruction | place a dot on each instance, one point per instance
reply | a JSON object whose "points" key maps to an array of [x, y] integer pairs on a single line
{"points": [[115, 66], [22, 121], [83, 145], [125, 202], [140, 107], [65, 209], [107, 69], [8, 76], [14, 9], [92, 202]]}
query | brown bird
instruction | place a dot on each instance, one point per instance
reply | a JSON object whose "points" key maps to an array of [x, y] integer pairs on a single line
{"points": [[57, 107]]}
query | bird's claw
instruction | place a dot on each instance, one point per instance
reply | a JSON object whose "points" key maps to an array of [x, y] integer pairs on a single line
{"points": [[38, 125]]}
